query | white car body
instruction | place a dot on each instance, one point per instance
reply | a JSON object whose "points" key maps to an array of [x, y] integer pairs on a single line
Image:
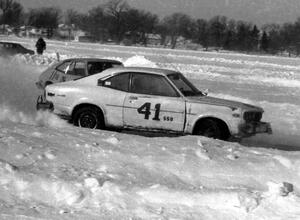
{"points": [[165, 110]]}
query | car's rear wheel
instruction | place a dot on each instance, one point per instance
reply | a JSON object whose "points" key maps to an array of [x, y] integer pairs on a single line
{"points": [[88, 117], [209, 128]]}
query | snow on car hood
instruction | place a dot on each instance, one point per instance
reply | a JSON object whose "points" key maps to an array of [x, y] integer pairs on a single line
{"points": [[223, 102]]}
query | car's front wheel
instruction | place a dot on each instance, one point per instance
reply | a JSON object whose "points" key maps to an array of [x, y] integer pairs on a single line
{"points": [[209, 128], [88, 117]]}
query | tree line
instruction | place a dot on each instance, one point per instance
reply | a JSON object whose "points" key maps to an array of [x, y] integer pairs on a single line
{"points": [[117, 21]]}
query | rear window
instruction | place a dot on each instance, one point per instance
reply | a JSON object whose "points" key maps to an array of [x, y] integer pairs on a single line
{"points": [[118, 82], [97, 67], [76, 68]]}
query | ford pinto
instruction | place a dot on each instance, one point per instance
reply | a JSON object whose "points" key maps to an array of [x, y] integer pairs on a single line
{"points": [[151, 99]]}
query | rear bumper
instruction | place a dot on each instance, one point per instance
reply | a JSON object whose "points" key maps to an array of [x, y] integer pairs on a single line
{"points": [[43, 104], [252, 128]]}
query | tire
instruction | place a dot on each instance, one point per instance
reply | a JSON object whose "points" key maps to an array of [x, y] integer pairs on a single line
{"points": [[88, 117], [209, 128]]}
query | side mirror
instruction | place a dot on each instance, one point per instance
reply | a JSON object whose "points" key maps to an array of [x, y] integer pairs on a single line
{"points": [[205, 92]]}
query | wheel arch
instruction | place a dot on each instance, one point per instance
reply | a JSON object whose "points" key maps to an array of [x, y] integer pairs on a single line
{"points": [[223, 125], [81, 105]]}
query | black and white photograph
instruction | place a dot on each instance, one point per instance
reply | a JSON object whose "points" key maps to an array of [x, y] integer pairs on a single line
{"points": [[149, 109]]}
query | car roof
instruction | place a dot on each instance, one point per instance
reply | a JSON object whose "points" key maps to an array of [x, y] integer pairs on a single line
{"points": [[92, 59], [6, 42], [117, 70], [157, 71]]}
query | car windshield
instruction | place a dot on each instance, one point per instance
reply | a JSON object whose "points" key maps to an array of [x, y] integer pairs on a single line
{"points": [[186, 87]]}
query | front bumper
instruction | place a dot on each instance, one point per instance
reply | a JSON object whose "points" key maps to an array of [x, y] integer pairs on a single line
{"points": [[252, 128], [43, 104]]}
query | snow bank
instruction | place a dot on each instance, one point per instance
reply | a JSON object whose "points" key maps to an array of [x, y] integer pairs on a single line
{"points": [[56, 193], [46, 59], [139, 61], [148, 178]]}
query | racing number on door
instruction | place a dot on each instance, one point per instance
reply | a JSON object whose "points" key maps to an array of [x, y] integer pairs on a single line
{"points": [[145, 110]]}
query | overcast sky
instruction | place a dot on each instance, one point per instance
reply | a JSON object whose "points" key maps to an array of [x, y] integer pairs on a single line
{"points": [[256, 11]]}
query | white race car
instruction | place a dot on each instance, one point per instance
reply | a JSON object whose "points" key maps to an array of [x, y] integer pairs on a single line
{"points": [[152, 100]]}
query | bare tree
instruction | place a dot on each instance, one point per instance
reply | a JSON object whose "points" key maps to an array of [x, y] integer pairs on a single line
{"points": [[71, 17], [139, 23], [116, 12], [217, 26], [45, 18], [177, 25], [98, 23], [201, 32], [14, 15], [5, 5]]}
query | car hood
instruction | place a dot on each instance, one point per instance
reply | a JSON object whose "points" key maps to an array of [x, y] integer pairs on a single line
{"points": [[223, 102]]}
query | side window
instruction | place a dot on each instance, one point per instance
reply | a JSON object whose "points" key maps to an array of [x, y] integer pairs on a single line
{"points": [[75, 68], [94, 67], [64, 67], [119, 82], [152, 85], [79, 69]]}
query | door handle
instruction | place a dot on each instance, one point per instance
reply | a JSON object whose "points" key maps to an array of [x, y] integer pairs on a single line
{"points": [[133, 98]]}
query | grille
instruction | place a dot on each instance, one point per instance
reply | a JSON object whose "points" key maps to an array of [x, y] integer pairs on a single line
{"points": [[252, 116]]}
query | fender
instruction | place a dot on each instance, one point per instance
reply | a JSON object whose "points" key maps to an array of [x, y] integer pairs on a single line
{"points": [[87, 101], [193, 123]]}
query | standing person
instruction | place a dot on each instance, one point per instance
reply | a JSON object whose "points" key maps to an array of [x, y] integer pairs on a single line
{"points": [[40, 46]]}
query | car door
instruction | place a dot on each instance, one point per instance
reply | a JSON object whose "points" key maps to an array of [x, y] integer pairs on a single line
{"points": [[153, 104], [113, 98]]}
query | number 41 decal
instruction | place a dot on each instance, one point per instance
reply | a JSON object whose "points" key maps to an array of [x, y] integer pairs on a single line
{"points": [[145, 110]]}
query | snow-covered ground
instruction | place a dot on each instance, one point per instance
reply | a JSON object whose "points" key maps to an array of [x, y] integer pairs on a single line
{"points": [[52, 170]]}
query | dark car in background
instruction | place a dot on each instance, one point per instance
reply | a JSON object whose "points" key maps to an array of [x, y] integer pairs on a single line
{"points": [[74, 68], [11, 49]]}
